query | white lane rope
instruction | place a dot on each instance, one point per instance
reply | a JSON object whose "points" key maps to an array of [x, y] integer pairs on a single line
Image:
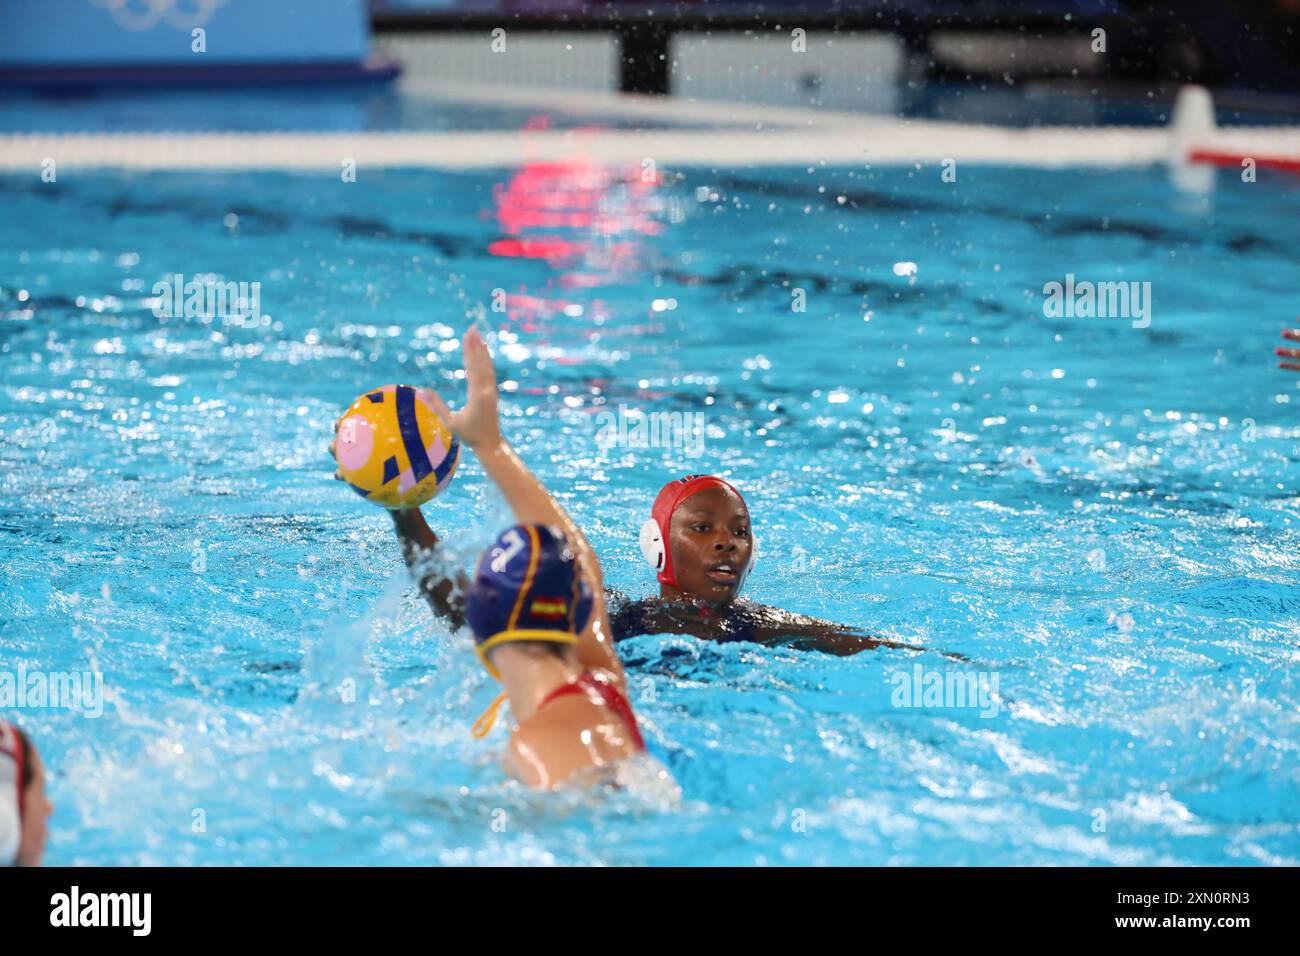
{"points": [[754, 136]]}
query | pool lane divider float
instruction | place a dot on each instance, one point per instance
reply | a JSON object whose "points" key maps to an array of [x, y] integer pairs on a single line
{"points": [[1193, 125], [1280, 163], [839, 138]]}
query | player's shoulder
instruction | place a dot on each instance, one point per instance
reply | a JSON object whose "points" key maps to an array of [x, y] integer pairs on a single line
{"points": [[553, 744], [628, 617]]}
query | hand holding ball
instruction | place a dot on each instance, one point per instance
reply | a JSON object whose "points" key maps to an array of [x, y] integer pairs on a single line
{"points": [[394, 449]]}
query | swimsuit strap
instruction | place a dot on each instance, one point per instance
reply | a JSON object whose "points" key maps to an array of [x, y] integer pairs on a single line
{"points": [[602, 692], [564, 690]]}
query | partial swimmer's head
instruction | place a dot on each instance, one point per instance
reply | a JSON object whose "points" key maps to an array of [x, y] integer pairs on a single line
{"points": [[527, 590], [24, 808], [699, 538]]}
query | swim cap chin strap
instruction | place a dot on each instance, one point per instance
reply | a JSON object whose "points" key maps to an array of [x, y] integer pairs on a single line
{"points": [[483, 725], [11, 795]]}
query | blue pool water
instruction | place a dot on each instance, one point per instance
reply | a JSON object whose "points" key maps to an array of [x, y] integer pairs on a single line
{"points": [[1101, 517]]}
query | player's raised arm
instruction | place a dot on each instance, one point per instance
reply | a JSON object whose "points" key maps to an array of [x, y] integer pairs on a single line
{"points": [[478, 425]]}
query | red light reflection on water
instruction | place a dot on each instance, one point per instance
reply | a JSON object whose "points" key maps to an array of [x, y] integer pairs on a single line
{"points": [[586, 221]]}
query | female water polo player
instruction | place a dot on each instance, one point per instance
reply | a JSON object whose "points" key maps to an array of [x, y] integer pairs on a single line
{"points": [[699, 541], [24, 807], [536, 608], [701, 570]]}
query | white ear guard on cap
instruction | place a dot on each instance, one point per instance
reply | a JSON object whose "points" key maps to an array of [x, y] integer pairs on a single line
{"points": [[652, 547], [11, 824], [652, 544]]}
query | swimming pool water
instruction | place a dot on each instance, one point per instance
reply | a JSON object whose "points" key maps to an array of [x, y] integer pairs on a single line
{"points": [[1103, 517]]}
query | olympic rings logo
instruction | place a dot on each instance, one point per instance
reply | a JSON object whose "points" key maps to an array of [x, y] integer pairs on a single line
{"points": [[139, 15]]}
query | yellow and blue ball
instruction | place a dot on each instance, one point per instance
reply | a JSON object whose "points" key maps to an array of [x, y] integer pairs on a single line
{"points": [[393, 449]]}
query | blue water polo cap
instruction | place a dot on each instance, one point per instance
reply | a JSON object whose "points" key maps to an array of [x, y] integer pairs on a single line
{"points": [[527, 587]]}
